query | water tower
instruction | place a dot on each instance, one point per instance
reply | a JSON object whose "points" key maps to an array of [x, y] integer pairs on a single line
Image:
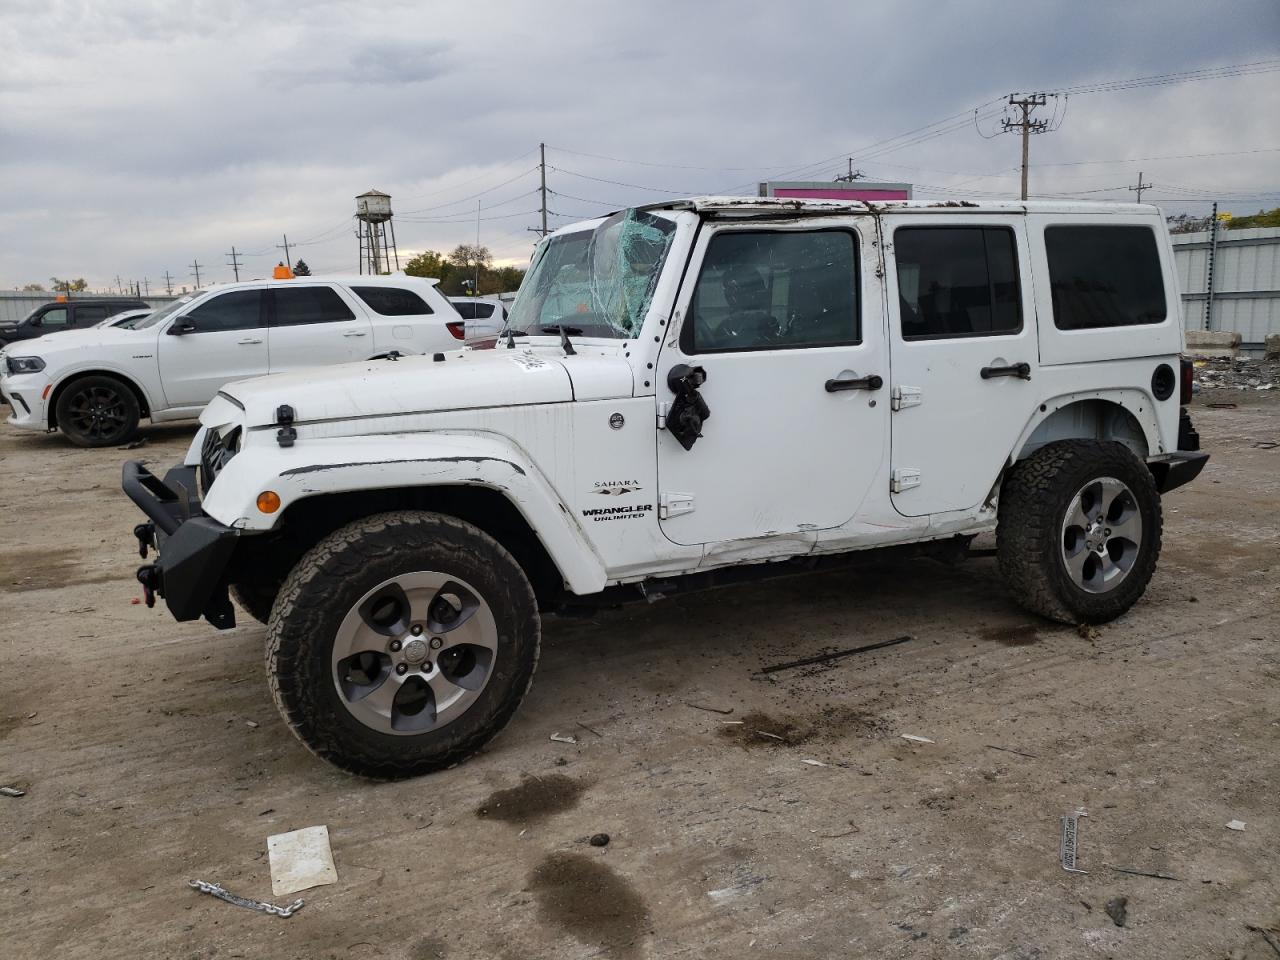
{"points": [[376, 233]]}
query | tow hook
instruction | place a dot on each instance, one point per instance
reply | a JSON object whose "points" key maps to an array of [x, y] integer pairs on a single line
{"points": [[149, 577], [146, 534]]}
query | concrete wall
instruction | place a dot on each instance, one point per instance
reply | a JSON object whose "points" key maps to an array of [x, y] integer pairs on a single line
{"points": [[1246, 282], [16, 304]]}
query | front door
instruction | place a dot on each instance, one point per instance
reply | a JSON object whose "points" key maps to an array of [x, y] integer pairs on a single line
{"points": [[963, 343], [786, 323], [228, 342]]}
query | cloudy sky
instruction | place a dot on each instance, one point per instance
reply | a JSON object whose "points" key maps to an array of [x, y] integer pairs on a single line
{"points": [[136, 137]]}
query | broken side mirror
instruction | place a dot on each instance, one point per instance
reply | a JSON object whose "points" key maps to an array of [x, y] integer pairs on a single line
{"points": [[689, 410]]}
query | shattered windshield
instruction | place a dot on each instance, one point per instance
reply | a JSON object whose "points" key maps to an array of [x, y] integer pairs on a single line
{"points": [[594, 283]]}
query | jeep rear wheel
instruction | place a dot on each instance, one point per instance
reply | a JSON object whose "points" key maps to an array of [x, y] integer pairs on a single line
{"points": [[1079, 530], [97, 412], [402, 644]]}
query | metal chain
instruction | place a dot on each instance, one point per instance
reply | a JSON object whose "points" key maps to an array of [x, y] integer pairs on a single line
{"points": [[222, 894]]}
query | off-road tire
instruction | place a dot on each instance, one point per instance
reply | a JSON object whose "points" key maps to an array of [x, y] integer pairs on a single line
{"points": [[1033, 504], [255, 599], [122, 402], [323, 587]]}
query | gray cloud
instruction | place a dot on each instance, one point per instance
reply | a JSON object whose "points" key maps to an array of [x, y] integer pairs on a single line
{"points": [[175, 131]]}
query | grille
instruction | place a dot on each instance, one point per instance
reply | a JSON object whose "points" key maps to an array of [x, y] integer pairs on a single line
{"points": [[216, 453]]}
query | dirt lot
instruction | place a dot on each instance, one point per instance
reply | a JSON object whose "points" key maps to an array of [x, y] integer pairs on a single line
{"points": [[151, 754]]}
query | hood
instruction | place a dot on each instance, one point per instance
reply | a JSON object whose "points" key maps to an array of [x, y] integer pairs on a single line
{"points": [[461, 381], [76, 340]]}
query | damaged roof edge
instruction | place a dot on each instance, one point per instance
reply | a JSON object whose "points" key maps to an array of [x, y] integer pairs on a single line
{"points": [[811, 207]]}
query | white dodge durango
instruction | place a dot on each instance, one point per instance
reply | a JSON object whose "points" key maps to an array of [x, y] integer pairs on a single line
{"points": [[96, 384]]}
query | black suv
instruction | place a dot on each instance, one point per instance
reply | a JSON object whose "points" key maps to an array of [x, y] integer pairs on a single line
{"points": [[65, 315]]}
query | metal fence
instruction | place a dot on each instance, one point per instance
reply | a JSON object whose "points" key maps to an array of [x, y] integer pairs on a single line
{"points": [[16, 304], [1231, 282]]}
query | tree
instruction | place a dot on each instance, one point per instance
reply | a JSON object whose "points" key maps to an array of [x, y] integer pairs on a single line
{"points": [[1263, 218], [469, 256], [68, 286], [34, 288], [300, 269], [426, 264]]}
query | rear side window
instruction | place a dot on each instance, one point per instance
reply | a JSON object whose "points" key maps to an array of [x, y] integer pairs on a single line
{"points": [[299, 305], [235, 310], [1104, 276], [467, 311], [957, 282], [775, 291], [89, 315], [392, 301], [483, 310]]}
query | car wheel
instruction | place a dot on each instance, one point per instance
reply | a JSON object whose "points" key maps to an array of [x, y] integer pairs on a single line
{"points": [[255, 599], [97, 412], [1079, 530], [402, 643]]}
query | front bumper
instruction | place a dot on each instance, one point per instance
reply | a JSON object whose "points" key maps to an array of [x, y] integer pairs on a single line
{"points": [[193, 549], [26, 397]]}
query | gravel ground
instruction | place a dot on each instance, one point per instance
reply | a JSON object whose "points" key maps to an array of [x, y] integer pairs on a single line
{"points": [[150, 754]]}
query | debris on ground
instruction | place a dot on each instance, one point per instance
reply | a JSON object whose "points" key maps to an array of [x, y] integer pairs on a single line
{"points": [[1147, 873], [590, 729], [815, 763], [1237, 373], [1067, 845], [1118, 910], [1272, 940], [1236, 825], [251, 723], [564, 738], [837, 655], [300, 859], [1088, 631], [1030, 756], [223, 894], [12, 792], [599, 840], [698, 706], [914, 739]]}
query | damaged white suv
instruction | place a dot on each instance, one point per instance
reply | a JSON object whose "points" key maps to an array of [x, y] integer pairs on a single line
{"points": [[700, 391]]}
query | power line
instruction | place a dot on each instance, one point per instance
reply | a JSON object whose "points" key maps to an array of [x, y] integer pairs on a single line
{"points": [[1185, 76], [454, 203]]}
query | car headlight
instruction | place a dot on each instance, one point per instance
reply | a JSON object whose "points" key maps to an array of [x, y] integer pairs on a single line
{"points": [[24, 364]]}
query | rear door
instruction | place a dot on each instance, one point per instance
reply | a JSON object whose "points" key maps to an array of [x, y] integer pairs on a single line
{"points": [[87, 316], [229, 343], [963, 344], [314, 324], [786, 323]]}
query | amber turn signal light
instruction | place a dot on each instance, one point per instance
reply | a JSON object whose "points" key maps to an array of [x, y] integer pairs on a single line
{"points": [[268, 501]]}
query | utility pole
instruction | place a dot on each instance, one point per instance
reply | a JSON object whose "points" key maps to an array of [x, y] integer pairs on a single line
{"points": [[119, 284], [168, 283], [285, 247], [195, 265], [1141, 186], [1028, 126], [851, 176], [477, 290], [146, 285], [235, 262], [1208, 271]]}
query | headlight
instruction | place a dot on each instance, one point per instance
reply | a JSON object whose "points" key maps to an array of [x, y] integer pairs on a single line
{"points": [[24, 364]]}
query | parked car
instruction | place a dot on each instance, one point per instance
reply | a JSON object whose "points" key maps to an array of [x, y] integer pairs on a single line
{"points": [[125, 319], [483, 316], [95, 385], [707, 391], [63, 315]]}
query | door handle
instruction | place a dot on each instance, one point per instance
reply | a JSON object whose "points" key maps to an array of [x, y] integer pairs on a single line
{"points": [[250, 340], [1020, 370], [354, 333], [873, 382]]}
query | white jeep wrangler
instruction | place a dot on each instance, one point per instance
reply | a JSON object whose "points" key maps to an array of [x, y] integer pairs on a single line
{"points": [[699, 391]]}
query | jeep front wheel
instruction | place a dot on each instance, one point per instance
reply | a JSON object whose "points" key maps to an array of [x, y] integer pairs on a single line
{"points": [[1079, 529], [402, 643]]}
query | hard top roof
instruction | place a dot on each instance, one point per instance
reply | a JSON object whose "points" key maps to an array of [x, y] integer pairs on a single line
{"points": [[778, 205]]}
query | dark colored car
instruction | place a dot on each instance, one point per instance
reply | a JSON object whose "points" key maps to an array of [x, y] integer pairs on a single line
{"points": [[65, 315]]}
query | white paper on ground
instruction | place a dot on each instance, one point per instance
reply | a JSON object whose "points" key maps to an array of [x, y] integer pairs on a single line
{"points": [[300, 859]]}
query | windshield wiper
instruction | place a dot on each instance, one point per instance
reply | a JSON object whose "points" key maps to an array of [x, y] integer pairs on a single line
{"points": [[564, 332]]}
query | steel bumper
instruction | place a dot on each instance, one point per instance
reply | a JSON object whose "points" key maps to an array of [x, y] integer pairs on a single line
{"points": [[1172, 470], [193, 549]]}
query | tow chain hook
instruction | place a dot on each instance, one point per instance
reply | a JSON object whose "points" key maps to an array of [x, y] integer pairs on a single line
{"points": [[145, 532], [149, 577]]}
